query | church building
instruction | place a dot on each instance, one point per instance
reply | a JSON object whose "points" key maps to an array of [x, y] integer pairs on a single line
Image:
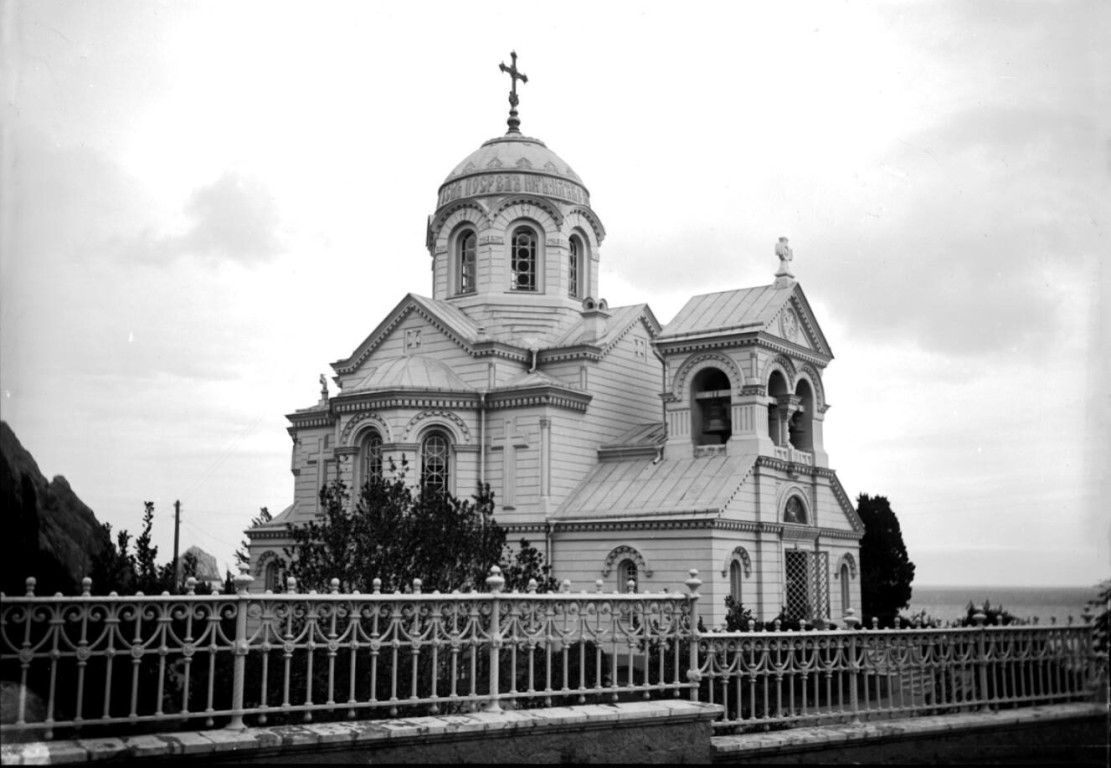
{"points": [[625, 450]]}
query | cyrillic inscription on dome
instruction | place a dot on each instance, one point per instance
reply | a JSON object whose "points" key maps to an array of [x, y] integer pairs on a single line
{"points": [[504, 183]]}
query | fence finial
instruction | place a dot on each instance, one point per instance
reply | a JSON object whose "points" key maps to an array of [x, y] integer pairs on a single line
{"points": [[86, 586], [417, 584], [495, 581], [30, 582], [693, 583], [334, 585]]}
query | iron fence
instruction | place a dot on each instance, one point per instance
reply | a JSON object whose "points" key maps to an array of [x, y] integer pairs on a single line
{"points": [[101, 665], [779, 679], [156, 661]]}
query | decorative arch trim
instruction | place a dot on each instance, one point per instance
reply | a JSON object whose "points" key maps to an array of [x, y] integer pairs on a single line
{"points": [[538, 209], [586, 219], [697, 363], [353, 432], [808, 373], [739, 554], [784, 366], [453, 215], [440, 418], [626, 553], [849, 560], [264, 560]]}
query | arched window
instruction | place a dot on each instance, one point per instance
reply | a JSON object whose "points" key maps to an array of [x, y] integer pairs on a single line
{"points": [[736, 578], [801, 426], [466, 248], [370, 456], [794, 511], [777, 391], [523, 260], [626, 572], [574, 268], [711, 407], [846, 591], [272, 576], [435, 455]]}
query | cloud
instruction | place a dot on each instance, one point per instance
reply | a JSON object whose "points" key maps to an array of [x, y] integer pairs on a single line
{"points": [[233, 219]]}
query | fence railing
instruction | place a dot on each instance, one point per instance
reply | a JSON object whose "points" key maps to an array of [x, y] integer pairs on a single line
{"points": [[785, 679], [223, 659], [98, 665]]}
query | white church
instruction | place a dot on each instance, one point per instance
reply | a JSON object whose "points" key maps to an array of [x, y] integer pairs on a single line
{"points": [[626, 451]]}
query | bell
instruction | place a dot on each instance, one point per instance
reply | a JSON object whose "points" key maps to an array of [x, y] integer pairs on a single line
{"points": [[714, 422]]}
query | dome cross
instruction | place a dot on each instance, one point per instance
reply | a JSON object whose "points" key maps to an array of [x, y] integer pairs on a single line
{"points": [[514, 75]]}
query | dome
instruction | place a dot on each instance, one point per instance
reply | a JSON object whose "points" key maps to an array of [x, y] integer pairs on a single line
{"points": [[425, 373], [513, 164]]}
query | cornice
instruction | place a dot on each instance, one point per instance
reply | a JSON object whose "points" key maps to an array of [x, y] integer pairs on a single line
{"points": [[548, 395], [578, 526], [315, 418], [776, 344], [401, 398]]}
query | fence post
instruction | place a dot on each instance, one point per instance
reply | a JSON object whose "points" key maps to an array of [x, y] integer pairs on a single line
{"points": [[240, 649], [495, 582], [852, 625], [982, 656], [693, 674]]}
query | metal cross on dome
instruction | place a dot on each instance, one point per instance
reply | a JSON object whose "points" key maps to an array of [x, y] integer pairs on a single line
{"points": [[513, 121]]}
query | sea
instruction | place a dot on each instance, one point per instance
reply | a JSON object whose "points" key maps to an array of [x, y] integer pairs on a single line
{"points": [[1044, 603]]}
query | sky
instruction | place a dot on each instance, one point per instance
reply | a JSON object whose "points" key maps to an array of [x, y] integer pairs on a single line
{"points": [[204, 204]]}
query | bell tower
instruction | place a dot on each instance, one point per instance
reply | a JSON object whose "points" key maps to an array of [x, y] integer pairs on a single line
{"points": [[742, 373]]}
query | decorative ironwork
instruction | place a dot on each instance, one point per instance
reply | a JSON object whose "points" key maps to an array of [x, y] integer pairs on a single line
{"points": [[214, 660], [785, 678]]}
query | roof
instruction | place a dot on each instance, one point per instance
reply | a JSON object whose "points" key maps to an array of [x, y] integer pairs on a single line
{"points": [[618, 322], [744, 309], [412, 372], [698, 486], [747, 310], [513, 152]]}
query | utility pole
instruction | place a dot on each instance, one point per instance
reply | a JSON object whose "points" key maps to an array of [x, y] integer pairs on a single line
{"points": [[177, 530]]}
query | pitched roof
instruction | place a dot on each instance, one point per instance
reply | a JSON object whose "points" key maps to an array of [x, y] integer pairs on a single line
{"points": [[744, 309], [619, 321], [698, 486]]}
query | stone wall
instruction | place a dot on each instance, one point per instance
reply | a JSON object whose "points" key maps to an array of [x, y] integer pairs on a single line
{"points": [[671, 731], [1063, 734]]}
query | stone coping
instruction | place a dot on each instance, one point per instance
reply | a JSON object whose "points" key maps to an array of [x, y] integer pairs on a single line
{"points": [[802, 739], [338, 735]]}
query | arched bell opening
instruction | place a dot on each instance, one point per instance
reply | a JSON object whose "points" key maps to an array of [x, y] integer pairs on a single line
{"points": [[801, 426], [711, 409], [777, 392]]}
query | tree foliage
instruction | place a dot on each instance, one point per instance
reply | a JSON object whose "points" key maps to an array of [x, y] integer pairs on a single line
{"points": [[126, 572], [886, 572], [1101, 605], [242, 555], [396, 534]]}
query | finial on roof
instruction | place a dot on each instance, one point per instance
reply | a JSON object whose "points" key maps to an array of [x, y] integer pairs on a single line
{"points": [[513, 121], [785, 276]]}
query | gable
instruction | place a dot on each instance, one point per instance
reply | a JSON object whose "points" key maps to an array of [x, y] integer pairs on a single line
{"points": [[417, 325], [780, 313]]}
